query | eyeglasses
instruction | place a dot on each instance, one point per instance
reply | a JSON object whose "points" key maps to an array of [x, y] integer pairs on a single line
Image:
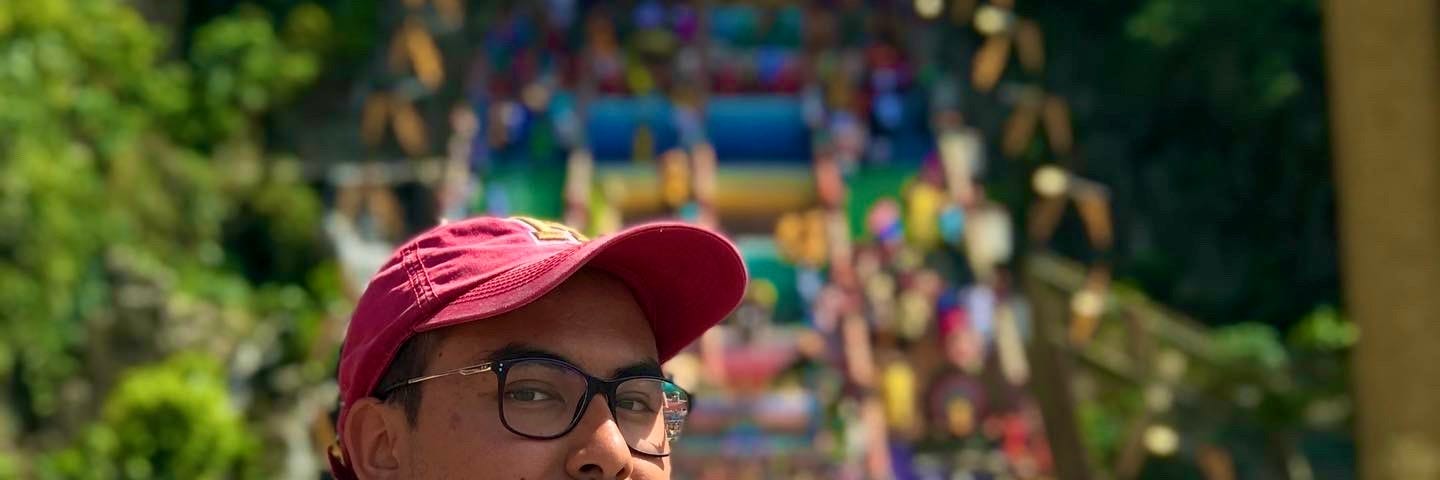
{"points": [[543, 399]]}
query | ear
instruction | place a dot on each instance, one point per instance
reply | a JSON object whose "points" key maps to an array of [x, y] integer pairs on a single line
{"points": [[373, 436]]}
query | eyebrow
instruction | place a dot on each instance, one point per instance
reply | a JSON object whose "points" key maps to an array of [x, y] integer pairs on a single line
{"points": [[647, 367]]}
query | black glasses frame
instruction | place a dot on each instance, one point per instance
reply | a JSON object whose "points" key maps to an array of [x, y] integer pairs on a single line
{"points": [[593, 386]]}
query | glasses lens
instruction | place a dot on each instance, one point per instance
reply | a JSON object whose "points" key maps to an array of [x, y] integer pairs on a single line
{"points": [[650, 413], [540, 397]]}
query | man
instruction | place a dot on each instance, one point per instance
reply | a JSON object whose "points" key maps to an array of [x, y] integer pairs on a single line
{"points": [[515, 348]]}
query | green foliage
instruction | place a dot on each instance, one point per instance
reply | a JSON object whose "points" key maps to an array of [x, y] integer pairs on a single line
{"points": [[1286, 387], [120, 236], [1102, 424], [1250, 346], [245, 68], [79, 172], [1270, 78], [276, 232], [308, 27], [1324, 331], [173, 420], [9, 466], [1207, 121]]}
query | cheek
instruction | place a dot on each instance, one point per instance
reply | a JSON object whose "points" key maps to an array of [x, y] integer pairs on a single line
{"points": [[463, 437], [651, 469]]}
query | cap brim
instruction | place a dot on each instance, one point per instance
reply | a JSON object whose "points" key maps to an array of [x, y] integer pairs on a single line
{"points": [[686, 279]]}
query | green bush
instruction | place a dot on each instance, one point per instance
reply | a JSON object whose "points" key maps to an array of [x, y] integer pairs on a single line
{"points": [[173, 420], [129, 184]]}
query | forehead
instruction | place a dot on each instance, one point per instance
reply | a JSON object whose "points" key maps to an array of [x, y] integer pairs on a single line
{"points": [[592, 319]]}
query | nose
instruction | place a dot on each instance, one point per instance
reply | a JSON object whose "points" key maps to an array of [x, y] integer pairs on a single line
{"points": [[599, 450]]}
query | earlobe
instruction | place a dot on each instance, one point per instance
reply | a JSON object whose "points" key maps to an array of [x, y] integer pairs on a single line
{"points": [[371, 437]]}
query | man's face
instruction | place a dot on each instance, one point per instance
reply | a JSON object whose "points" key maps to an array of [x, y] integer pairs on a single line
{"points": [[592, 321]]}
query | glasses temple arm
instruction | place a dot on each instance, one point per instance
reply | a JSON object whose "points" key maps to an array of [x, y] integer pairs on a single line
{"points": [[470, 370]]}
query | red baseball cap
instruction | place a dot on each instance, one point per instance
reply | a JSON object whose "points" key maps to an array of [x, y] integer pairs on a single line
{"points": [[685, 278]]}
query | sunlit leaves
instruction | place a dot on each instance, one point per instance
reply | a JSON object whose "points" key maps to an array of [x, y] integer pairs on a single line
{"points": [[242, 62], [1324, 330], [170, 420], [113, 227]]}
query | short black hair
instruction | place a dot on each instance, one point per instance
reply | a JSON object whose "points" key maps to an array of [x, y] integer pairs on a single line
{"points": [[411, 361]]}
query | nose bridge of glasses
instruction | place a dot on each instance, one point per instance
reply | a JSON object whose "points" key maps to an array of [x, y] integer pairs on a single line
{"points": [[607, 395], [609, 390]]}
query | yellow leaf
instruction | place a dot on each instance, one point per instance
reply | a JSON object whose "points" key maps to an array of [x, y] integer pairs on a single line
{"points": [[1095, 213], [1020, 128], [1057, 125], [410, 129], [990, 63], [372, 119], [424, 56], [1030, 45], [1045, 215]]}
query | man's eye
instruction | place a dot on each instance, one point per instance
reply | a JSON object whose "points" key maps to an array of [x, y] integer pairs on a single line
{"points": [[528, 395], [633, 405]]}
